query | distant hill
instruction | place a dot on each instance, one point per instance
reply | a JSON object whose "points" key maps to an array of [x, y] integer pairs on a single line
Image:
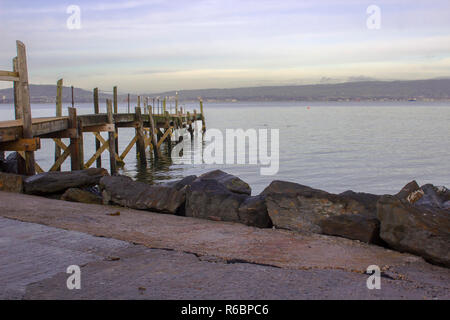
{"points": [[436, 89]]}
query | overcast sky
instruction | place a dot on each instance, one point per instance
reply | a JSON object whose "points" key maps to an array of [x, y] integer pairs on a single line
{"points": [[155, 45]]}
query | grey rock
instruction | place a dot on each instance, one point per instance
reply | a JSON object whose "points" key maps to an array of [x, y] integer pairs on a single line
{"points": [[231, 182], [125, 192], [58, 182], [300, 208], [421, 230], [80, 195], [210, 199]]}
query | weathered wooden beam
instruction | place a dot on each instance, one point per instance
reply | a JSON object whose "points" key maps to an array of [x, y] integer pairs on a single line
{"points": [[100, 128], [156, 150], [128, 148], [32, 144], [74, 142], [59, 87], [166, 134], [60, 160], [9, 76], [67, 133], [111, 136], [97, 143], [97, 154], [24, 93], [140, 143], [202, 116], [116, 141]]}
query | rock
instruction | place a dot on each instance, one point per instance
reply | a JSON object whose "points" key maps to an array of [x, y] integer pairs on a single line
{"points": [[9, 164], [253, 212], [429, 197], [300, 208], [79, 195], [352, 226], [421, 230], [210, 199], [11, 182], [220, 196], [59, 182], [124, 191], [180, 184], [232, 183], [367, 199], [407, 190]]}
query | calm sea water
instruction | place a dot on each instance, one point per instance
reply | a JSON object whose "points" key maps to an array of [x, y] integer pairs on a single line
{"points": [[367, 147]]}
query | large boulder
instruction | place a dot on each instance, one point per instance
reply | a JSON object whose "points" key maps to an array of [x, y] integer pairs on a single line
{"points": [[58, 182], [125, 192], [229, 181], [10, 164], [417, 222], [80, 195], [300, 208], [223, 197]]}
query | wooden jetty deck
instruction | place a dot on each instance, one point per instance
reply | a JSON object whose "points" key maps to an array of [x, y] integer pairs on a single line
{"points": [[153, 126]]}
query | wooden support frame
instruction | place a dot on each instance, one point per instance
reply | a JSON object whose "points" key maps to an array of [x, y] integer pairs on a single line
{"points": [[32, 144]]}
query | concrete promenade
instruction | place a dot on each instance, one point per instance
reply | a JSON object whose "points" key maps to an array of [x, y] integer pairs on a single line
{"points": [[144, 255]]}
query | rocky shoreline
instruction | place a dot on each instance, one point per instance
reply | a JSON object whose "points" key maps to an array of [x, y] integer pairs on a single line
{"points": [[415, 220]]}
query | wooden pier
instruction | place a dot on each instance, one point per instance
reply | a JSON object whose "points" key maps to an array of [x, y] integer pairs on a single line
{"points": [[153, 126]]}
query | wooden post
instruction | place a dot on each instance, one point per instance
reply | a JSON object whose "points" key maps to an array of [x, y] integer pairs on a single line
{"points": [[73, 99], [128, 103], [59, 87], [138, 101], [74, 142], [167, 127], [156, 150], [195, 121], [97, 143], [164, 106], [116, 140], [203, 116], [176, 102], [21, 167], [24, 97], [112, 145], [189, 123], [140, 142]]}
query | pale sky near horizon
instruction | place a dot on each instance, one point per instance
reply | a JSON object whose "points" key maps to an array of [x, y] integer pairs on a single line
{"points": [[154, 45]]}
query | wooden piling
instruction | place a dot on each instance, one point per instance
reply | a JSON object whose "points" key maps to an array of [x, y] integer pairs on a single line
{"points": [[21, 166], [203, 116], [128, 103], [73, 99], [74, 141], [59, 87], [111, 138], [24, 97], [116, 139], [140, 142], [97, 142], [156, 150]]}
